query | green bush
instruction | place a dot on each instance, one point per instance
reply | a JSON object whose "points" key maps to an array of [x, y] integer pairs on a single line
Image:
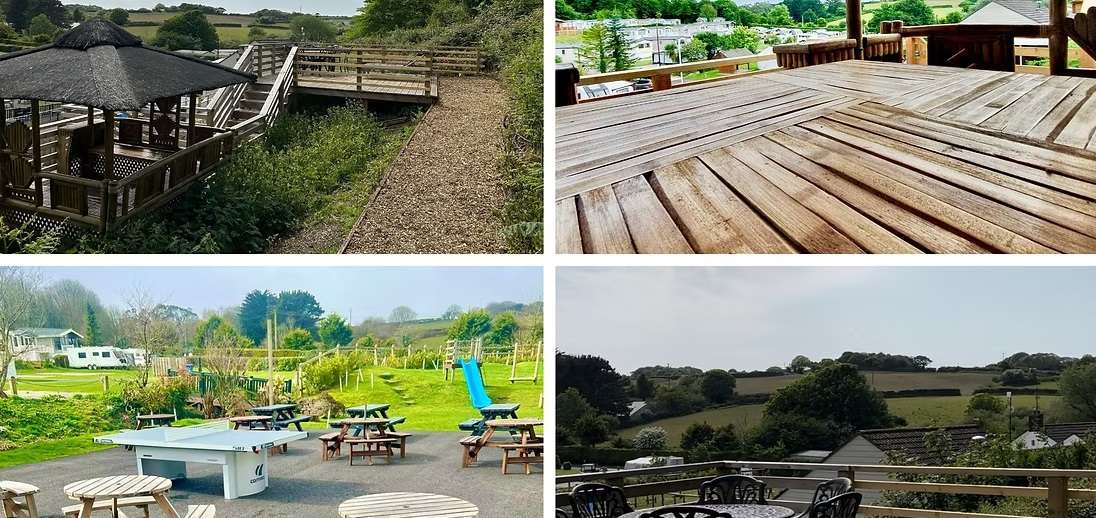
{"points": [[61, 361], [27, 421], [325, 373], [23, 239], [163, 396], [266, 189]]}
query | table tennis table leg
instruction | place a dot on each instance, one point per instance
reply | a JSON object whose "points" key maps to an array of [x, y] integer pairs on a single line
{"points": [[169, 469]]}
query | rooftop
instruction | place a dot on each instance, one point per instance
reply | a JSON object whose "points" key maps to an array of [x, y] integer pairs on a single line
{"points": [[910, 442]]}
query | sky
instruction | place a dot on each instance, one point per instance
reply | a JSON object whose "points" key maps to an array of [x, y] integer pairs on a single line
{"points": [[749, 318], [326, 7], [356, 292]]}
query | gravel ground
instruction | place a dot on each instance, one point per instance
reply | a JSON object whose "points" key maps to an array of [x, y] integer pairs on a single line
{"points": [[301, 485], [444, 191]]}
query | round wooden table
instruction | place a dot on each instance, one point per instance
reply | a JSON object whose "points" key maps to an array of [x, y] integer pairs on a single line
{"points": [[421, 505], [735, 510], [126, 486]]}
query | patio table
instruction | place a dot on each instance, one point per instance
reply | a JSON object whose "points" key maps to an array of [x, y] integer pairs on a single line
{"points": [[408, 505], [524, 428], [374, 410], [283, 415], [735, 510], [115, 488], [262, 422]]}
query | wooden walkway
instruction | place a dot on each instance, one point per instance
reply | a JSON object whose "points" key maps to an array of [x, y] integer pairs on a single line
{"points": [[848, 157]]}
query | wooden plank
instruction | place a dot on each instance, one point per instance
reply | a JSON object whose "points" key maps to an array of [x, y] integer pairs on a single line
{"points": [[1078, 132], [806, 229], [897, 218], [568, 235], [653, 230], [1022, 116], [603, 228], [710, 215]]}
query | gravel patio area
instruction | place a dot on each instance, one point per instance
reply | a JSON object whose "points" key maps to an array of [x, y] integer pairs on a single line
{"points": [[303, 486], [444, 191]]}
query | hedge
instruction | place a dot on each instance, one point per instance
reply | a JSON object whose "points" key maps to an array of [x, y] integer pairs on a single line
{"points": [[948, 392], [228, 24], [1017, 391], [143, 24], [578, 455]]}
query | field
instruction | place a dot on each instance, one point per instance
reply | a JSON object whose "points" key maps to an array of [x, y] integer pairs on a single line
{"points": [[940, 8], [964, 381], [78, 381], [238, 34], [918, 412]]}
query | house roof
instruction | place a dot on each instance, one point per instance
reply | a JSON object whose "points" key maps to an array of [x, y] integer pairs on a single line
{"points": [[1062, 431], [911, 441], [1031, 10], [46, 332]]}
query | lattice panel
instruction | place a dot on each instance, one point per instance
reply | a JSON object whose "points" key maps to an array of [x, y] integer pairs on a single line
{"points": [[17, 164], [1084, 30], [163, 128]]}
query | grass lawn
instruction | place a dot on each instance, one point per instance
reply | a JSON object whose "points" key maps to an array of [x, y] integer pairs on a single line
{"points": [[80, 381], [237, 34], [432, 404], [964, 381], [50, 449]]}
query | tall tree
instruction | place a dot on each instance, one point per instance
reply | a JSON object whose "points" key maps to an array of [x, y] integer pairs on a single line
{"points": [[18, 296], [257, 307], [93, 335], [452, 312], [835, 392], [402, 314], [594, 52], [188, 30], [299, 309], [311, 28], [1078, 387], [334, 331], [469, 325], [620, 47], [595, 379]]}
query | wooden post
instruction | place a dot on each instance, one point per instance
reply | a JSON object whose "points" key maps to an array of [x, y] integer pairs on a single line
{"points": [[661, 82], [36, 138], [1059, 43], [566, 84], [14, 387], [191, 113], [106, 384], [1058, 487], [854, 25], [270, 361], [91, 117], [258, 60]]}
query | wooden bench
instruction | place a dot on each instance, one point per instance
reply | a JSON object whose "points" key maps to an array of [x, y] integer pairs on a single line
{"points": [[140, 502], [370, 448], [472, 441], [285, 423], [402, 436], [201, 511], [11, 491], [469, 425], [393, 421], [331, 445], [527, 454]]}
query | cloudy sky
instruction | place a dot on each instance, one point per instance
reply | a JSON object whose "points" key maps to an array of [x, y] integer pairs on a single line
{"points": [[357, 291], [327, 7], [757, 317]]}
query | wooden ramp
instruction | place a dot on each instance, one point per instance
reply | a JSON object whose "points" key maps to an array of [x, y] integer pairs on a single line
{"points": [[843, 158]]}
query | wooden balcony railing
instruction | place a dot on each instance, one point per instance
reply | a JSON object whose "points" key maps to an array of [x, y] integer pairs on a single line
{"points": [[568, 79], [443, 60], [276, 99], [651, 487], [814, 53], [357, 68]]}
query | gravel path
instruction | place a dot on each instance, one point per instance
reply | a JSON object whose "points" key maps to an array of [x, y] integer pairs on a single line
{"points": [[444, 191]]}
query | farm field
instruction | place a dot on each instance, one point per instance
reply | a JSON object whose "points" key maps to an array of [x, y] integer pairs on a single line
{"points": [[239, 34], [966, 382], [918, 412], [940, 8]]}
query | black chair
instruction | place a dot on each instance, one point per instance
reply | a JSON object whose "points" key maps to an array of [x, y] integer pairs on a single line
{"points": [[732, 489], [684, 511], [826, 491], [562, 513], [593, 500], [840, 506]]}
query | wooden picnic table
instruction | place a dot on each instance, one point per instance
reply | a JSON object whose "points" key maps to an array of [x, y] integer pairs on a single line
{"points": [[262, 422], [119, 487], [375, 440], [847, 157], [371, 410], [409, 505], [524, 428], [284, 415], [148, 420]]}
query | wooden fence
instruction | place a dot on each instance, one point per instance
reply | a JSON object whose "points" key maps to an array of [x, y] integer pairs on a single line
{"points": [[652, 487], [352, 68], [442, 60]]}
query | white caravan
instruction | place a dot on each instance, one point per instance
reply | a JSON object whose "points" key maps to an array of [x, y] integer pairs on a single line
{"points": [[97, 357]]}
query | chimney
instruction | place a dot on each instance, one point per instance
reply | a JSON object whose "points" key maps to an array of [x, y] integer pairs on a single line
{"points": [[1035, 421]]}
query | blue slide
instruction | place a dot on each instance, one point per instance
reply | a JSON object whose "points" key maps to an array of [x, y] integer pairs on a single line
{"points": [[476, 389]]}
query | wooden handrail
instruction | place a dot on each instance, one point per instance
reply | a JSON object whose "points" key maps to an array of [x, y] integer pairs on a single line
{"points": [[637, 73], [1017, 31]]}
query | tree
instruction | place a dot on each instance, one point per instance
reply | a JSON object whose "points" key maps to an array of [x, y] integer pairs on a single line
{"points": [[256, 33], [590, 429], [744, 38], [570, 407], [644, 389], [798, 8], [402, 314], [216, 329], [503, 329], [697, 434], [77, 15], [1078, 388], [334, 331], [836, 392], [1018, 378], [93, 335], [780, 16], [708, 11], [595, 379], [594, 52], [469, 325], [311, 28], [257, 307], [695, 50], [912, 12], [671, 52], [18, 296], [620, 47], [717, 385], [796, 432], [799, 364], [452, 312], [299, 309], [145, 328], [41, 28], [299, 339], [189, 28], [383, 16], [651, 438], [118, 16]]}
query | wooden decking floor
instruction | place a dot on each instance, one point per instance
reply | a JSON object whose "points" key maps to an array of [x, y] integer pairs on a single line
{"points": [[849, 157]]}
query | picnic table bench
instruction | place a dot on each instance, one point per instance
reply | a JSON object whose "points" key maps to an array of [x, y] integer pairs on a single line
{"points": [[477, 426], [19, 499], [527, 448], [372, 428], [375, 410], [284, 415], [150, 420], [262, 422]]}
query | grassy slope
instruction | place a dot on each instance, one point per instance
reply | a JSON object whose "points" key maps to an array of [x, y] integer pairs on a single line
{"points": [[964, 381], [226, 33], [83, 381], [432, 404]]}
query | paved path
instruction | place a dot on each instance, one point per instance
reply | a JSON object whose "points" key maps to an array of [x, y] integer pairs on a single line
{"points": [[302, 485], [444, 192]]}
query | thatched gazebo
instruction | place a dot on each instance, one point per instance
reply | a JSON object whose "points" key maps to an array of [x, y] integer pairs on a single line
{"points": [[101, 66]]}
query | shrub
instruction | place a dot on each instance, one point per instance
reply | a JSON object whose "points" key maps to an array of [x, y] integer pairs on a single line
{"points": [[162, 396], [27, 421], [1018, 377], [22, 239], [651, 438], [325, 373], [61, 360]]}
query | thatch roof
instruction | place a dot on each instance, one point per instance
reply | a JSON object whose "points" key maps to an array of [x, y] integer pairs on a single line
{"points": [[99, 64]]}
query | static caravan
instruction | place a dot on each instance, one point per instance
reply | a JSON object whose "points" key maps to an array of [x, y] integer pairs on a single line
{"points": [[97, 358]]}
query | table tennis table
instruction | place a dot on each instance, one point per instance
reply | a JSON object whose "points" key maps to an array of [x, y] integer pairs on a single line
{"points": [[241, 454]]}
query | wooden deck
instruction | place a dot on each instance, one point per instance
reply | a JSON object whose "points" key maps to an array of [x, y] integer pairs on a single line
{"points": [[848, 157]]}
